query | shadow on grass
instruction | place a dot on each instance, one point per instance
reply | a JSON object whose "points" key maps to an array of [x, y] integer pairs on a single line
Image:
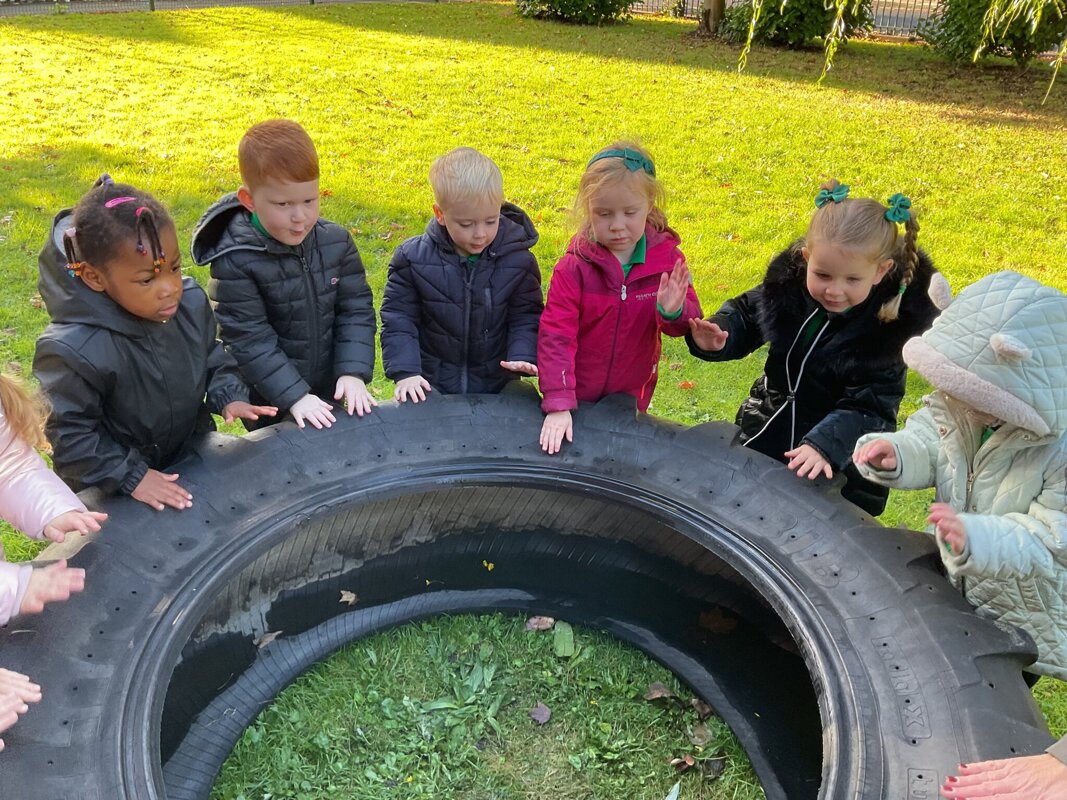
{"points": [[1002, 93]]}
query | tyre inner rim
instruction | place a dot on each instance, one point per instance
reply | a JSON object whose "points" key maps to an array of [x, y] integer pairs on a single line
{"points": [[641, 566]]}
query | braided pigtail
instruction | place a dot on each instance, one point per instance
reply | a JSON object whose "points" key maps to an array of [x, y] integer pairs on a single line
{"points": [[74, 265], [907, 256], [147, 228]]}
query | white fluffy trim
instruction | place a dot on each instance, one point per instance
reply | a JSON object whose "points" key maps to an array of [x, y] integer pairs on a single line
{"points": [[940, 292], [967, 387]]}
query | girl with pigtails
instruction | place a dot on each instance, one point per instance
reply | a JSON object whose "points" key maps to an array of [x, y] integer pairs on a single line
{"points": [[131, 351], [836, 308]]}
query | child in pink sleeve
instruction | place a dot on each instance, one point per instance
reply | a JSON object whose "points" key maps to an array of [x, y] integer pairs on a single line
{"points": [[38, 503]]}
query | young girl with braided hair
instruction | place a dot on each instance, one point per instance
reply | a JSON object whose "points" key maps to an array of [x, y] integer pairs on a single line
{"points": [[836, 308], [131, 351], [36, 502]]}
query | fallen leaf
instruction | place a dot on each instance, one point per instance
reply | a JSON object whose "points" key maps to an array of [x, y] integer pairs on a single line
{"points": [[563, 640], [657, 691], [266, 639], [540, 623], [673, 793], [326, 193], [701, 735], [676, 365], [703, 709], [349, 597], [713, 767], [715, 621], [489, 565], [687, 384], [683, 763], [540, 713]]}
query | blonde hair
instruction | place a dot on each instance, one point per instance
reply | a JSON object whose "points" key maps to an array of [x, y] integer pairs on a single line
{"points": [[465, 174], [25, 412], [857, 223], [606, 173]]}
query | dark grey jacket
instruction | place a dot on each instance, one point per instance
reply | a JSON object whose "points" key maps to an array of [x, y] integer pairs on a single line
{"points": [[127, 394], [295, 318], [454, 324]]}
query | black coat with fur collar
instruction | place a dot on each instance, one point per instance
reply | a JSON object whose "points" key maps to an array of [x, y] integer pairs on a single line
{"points": [[854, 378]]}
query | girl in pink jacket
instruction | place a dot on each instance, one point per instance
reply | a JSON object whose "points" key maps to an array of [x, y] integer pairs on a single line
{"points": [[622, 282], [38, 503]]}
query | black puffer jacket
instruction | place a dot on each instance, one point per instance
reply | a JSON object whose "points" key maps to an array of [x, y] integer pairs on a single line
{"points": [[453, 324], [853, 381], [127, 394], [295, 318]]}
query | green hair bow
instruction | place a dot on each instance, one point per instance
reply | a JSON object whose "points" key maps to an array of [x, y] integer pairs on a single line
{"points": [[836, 195], [898, 209], [631, 158]]}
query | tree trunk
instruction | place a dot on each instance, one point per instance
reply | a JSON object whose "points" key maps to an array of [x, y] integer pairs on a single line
{"points": [[711, 14]]}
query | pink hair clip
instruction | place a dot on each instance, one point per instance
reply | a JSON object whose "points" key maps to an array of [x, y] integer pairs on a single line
{"points": [[118, 201]]}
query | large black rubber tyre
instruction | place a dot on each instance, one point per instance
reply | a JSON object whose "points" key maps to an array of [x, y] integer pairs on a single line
{"points": [[847, 667]]}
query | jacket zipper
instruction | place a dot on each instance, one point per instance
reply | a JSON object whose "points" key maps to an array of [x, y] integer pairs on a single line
{"points": [[313, 320], [614, 340], [170, 406], [468, 278]]}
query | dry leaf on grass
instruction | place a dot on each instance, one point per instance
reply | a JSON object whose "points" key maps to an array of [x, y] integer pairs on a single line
{"points": [[540, 623], [540, 713], [266, 639], [657, 691]]}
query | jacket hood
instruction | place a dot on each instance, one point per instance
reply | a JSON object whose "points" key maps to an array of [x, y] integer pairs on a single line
{"points": [[1001, 348], [581, 247], [67, 299], [227, 226], [516, 232]]}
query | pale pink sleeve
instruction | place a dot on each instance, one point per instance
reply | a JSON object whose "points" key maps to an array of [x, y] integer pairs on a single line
{"points": [[13, 581], [31, 495]]}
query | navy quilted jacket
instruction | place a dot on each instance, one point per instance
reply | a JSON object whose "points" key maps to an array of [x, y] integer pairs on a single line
{"points": [[454, 324]]}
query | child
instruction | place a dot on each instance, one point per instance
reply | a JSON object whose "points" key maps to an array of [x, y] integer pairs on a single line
{"points": [[622, 282], [35, 501], [292, 300], [130, 352], [993, 440], [462, 300], [836, 307]]}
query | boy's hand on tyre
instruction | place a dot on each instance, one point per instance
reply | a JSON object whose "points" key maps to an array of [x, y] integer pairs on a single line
{"points": [[353, 392], [159, 489], [313, 409], [522, 367], [414, 388]]}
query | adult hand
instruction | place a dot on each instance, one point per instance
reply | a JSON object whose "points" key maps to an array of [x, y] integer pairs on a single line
{"points": [[73, 521], [158, 489], [708, 335], [558, 426], [239, 409], [673, 288], [1042, 777], [357, 399], [879, 453], [950, 528], [522, 367], [414, 387], [313, 409], [808, 462], [51, 584]]}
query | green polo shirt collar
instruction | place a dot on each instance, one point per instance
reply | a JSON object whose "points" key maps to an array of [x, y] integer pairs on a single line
{"points": [[638, 257]]}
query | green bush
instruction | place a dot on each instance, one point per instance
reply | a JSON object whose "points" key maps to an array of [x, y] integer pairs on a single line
{"points": [[581, 12], [792, 24], [956, 32]]}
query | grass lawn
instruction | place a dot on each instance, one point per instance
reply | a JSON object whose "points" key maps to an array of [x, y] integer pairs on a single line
{"points": [[160, 100]]}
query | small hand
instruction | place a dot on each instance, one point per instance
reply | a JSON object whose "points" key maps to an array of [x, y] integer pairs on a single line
{"points": [[808, 462], [708, 335], [16, 690], [414, 387], [357, 399], [522, 367], [948, 526], [313, 409], [673, 287], [49, 585], [158, 489], [1040, 777], [239, 409], [879, 453], [74, 521], [558, 426]]}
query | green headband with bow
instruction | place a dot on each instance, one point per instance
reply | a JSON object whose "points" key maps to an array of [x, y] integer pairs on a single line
{"points": [[836, 195], [631, 158]]}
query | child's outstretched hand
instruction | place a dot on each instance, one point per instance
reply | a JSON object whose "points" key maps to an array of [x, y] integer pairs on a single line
{"points": [[558, 426], [673, 287], [414, 387], [49, 585], [707, 335], [948, 526], [522, 367], [239, 409], [879, 453], [16, 690], [73, 522], [158, 489], [313, 409], [808, 462], [357, 399]]}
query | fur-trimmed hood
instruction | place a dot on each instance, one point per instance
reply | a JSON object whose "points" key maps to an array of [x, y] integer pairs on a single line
{"points": [[1001, 348], [786, 305]]}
